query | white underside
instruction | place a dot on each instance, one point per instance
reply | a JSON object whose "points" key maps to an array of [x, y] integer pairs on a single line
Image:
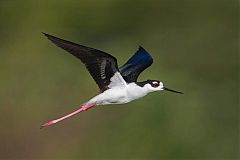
{"points": [[119, 95]]}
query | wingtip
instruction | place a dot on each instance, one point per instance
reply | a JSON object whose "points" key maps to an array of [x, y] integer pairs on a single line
{"points": [[50, 37], [140, 47], [46, 34]]}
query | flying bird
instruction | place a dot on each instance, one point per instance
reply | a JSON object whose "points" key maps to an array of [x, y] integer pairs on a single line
{"points": [[117, 85]]}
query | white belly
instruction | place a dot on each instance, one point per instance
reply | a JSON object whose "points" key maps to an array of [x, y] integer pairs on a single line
{"points": [[119, 95]]}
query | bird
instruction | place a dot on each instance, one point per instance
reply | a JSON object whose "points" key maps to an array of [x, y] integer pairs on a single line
{"points": [[117, 85]]}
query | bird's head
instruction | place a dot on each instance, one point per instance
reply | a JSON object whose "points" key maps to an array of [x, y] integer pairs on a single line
{"points": [[155, 85]]}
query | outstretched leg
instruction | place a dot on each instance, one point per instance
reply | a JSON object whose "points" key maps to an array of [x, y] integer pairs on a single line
{"points": [[83, 108]]}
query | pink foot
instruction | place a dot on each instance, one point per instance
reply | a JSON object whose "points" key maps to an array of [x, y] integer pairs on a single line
{"points": [[83, 108]]}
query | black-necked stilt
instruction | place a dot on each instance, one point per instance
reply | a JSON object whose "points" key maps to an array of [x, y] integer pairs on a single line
{"points": [[117, 85]]}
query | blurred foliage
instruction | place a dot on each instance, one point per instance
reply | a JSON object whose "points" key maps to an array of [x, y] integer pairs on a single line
{"points": [[194, 44]]}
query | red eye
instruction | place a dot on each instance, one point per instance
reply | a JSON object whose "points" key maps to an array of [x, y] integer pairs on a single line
{"points": [[155, 85]]}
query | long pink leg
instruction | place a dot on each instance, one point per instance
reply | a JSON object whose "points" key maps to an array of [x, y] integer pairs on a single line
{"points": [[83, 108]]}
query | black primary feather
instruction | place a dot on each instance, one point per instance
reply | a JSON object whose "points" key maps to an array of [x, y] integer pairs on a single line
{"points": [[102, 66]]}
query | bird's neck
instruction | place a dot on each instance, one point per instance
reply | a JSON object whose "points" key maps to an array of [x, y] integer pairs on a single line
{"points": [[144, 86]]}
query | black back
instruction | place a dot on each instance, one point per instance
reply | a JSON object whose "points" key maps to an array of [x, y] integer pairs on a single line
{"points": [[100, 65]]}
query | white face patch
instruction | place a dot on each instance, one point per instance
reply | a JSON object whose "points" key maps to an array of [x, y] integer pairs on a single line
{"points": [[161, 84], [155, 82]]}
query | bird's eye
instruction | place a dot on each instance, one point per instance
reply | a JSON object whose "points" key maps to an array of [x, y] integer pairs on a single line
{"points": [[155, 84]]}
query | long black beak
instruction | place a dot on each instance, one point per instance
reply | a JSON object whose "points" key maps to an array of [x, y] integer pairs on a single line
{"points": [[170, 90]]}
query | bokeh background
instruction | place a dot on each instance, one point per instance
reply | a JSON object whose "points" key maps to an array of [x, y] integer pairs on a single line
{"points": [[194, 46]]}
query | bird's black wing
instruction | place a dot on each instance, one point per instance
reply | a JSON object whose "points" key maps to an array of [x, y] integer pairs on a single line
{"points": [[135, 65], [101, 66]]}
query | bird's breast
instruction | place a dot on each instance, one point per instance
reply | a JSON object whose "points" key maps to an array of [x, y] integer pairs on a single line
{"points": [[135, 92], [113, 96], [120, 95]]}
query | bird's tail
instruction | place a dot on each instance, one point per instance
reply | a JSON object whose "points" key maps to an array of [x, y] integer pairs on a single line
{"points": [[83, 108]]}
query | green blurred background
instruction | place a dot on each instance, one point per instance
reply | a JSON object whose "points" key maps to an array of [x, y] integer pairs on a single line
{"points": [[194, 46]]}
